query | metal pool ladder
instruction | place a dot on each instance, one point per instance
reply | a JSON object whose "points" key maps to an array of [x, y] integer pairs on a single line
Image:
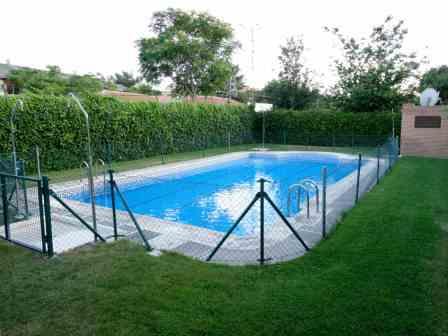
{"points": [[84, 167], [101, 163], [306, 186]]}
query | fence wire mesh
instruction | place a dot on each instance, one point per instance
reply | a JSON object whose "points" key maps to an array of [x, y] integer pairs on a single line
{"points": [[22, 212], [185, 195]]}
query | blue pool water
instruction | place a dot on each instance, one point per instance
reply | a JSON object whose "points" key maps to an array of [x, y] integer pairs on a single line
{"points": [[213, 197]]}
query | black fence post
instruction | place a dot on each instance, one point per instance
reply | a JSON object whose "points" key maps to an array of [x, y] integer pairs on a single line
{"points": [[397, 148], [162, 150], [47, 212], [378, 155], [5, 205], [40, 196], [358, 177], [324, 202], [389, 154], [262, 181], [112, 197], [24, 191], [228, 142], [109, 155]]}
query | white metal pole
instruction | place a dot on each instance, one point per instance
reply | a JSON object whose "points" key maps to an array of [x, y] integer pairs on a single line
{"points": [[90, 172], [19, 103], [39, 173], [263, 131]]}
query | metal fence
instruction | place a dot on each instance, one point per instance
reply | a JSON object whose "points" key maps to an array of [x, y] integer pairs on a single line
{"points": [[24, 209], [184, 212], [157, 149]]}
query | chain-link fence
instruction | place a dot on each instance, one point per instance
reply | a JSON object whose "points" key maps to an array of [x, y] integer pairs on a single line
{"points": [[211, 198]]}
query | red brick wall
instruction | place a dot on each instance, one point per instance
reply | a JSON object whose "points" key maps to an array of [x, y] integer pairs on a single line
{"points": [[431, 142]]}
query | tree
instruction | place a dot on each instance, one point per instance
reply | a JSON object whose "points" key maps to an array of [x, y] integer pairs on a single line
{"points": [[145, 89], [52, 81], [293, 89], [375, 73], [237, 78], [436, 78], [84, 84], [234, 84], [285, 95], [192, 49], [126, 79], [293, 69]]}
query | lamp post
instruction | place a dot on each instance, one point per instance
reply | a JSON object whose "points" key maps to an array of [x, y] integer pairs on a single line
{"points": [[90, 158]]}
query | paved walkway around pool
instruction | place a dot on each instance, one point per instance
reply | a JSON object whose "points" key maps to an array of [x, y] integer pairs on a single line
{"points": [[193, 241]]}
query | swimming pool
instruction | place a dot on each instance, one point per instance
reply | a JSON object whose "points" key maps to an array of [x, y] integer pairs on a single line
{"points": [[213, 196]]}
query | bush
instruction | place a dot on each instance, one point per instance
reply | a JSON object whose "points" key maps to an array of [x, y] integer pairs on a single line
{"points": [[143, 129], [296, 127], [283, 94], [136, 130]]}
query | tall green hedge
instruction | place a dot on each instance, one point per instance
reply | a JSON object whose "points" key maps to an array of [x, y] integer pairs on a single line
{"points": [[136, 130], [294, 127], [143, 129]]}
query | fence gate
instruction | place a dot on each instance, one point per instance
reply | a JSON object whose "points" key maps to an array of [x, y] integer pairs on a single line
{"points": [[23, 209]]}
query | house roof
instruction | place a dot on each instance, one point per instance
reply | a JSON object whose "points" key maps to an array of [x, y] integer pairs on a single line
{"points": [[5, 69], [132, 96]]}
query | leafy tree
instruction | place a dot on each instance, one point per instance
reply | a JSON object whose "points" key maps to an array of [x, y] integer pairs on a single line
{"points": [[145, 89], [126, 79], [375, 73], [192, 49], [293, 69], [52, 81], [436, 78], [293, 89], [284, 94], [236, 82], [84, 84]]}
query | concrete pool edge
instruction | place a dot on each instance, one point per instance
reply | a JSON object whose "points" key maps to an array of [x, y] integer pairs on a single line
{"points": [[185, 238]]}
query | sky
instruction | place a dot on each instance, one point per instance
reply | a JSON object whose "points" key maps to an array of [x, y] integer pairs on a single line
{"points": [[91, 36]]}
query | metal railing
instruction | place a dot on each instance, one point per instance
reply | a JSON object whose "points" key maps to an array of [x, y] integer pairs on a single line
{"points": [[306, 186]]}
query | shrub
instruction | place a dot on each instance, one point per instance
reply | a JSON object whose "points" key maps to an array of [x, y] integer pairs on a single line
{"points": [[296, 127], [136, 129], [143, 129]]}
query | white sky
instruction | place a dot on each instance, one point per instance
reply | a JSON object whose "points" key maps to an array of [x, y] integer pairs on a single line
{"points": [[93, 36]]}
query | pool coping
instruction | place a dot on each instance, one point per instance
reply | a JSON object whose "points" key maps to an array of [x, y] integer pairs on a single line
{"points": [[185, 238]]}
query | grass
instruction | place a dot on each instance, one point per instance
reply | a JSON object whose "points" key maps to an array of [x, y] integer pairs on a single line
{"points": [[383, 271], [73, 174]]}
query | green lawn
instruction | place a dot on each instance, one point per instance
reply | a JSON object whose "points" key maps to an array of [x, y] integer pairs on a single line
{"points": [[384, 271]]}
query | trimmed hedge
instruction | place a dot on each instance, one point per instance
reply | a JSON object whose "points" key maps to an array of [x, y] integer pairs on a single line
{"points": [[297, 127], [143, 129], [136, 130]]}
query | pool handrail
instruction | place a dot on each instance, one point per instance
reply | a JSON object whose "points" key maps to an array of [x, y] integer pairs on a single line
{"points": [[305, 185]]}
